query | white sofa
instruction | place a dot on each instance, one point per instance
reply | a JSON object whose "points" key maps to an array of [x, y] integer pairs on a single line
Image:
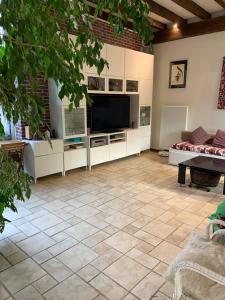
{"points": [[177, 152]]}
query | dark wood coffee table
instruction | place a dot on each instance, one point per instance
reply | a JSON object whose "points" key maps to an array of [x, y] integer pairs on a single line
{"points": [[202, 163]]}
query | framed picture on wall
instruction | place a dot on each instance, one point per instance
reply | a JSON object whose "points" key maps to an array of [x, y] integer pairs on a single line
{"points": [[178, 74]]}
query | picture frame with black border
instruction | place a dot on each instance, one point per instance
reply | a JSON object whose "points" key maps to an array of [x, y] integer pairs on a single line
{"points": [[178, 74]]}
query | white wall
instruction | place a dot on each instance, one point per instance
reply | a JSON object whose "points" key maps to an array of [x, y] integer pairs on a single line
{"points": [[205, 55]]}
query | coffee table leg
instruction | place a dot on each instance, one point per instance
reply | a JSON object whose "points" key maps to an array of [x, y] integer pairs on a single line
{"points": [[224, 186], [181, 174]]}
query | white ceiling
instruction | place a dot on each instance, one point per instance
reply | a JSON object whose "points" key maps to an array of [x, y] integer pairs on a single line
{"points": [[209, 5]]}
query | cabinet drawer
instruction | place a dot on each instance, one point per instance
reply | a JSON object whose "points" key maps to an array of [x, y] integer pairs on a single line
{"points": [[117, 150], [75, 159], [99, 155], [44, 148], [48, 164]]}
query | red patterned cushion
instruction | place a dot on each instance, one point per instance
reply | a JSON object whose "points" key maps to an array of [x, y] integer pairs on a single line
{"points": [[207, 149], [219, 140], [199, 136]]}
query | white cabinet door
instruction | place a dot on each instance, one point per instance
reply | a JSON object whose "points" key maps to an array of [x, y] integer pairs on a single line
{"points": [[93, 70], [99, 155], [146, 65], [145, 89], [75, 159], [145, 143], [132, 64], [133, 141], [145, 133], [115, 58], [117, 150], [49, 164]]}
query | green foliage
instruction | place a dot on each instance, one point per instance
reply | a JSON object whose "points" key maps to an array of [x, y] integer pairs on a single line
{"points": [[36, 41], [14, 185]]}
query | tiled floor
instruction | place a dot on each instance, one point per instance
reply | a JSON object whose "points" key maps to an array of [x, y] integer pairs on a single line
{"points": [[105, 234]]}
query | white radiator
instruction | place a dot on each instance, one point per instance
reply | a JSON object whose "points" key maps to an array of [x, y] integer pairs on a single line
{"points": [[173, 121]]}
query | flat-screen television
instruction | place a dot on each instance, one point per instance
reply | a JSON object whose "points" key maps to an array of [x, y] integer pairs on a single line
{"points": [[110, 112]]}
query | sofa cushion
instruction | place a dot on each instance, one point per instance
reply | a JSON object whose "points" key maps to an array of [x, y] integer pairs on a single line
{"points": [[199, 136], [208, 254], [206, 149], [219, 140]]}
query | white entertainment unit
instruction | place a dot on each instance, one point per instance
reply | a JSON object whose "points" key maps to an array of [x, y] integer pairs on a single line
{"points": [[131, 73]]}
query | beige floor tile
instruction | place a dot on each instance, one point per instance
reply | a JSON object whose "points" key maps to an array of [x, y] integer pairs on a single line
{"points": [[54, 205], [77, 257], [106, 259], [42, 256], [108, 288], [151, 211], [44, 284], [148, 286], [159, 229], [189, 218], [62, 246], [130, 297], [122, 241], [95, 239], [3, 292], [36, 243], [4, 264], [81, 231], [85, 212], [165, 252], [29, 270], [119, 220], [88, 273], [160, 296], [149, 238], [57, 269], [28, 293], [167, 289], [72, 288], [126, 272], [161, 268], [143, 258], [16, 257], [46, 221]]}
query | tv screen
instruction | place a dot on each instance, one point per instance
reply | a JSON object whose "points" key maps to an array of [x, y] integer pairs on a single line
{"points": [[110, 112]]}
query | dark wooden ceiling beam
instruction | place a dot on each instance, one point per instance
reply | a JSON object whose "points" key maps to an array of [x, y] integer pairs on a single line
{"points": [[105, 16], [164, 12], [193, 8], [158, 25], [221, 3], [154, 23], [189, 30]]}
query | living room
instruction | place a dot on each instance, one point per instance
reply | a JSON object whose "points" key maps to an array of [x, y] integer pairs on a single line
{"points": [[112, 156]]}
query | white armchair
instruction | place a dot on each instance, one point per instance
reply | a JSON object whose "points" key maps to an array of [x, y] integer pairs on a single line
{"points": [[198, 272]]}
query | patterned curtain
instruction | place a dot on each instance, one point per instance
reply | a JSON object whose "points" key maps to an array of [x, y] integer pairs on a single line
{"points": [[221, 102]]}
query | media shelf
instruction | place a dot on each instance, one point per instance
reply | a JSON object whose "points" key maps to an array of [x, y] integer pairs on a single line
{"points": [[104, 147], [117, 137]]}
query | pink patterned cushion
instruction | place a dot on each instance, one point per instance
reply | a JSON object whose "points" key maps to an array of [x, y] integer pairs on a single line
{"points": [[199, 136], [219, 140], [207, 149]]}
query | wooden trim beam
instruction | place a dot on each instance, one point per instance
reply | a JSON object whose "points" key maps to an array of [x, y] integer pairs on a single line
{"points": [[164, 12], [158, 25], [193, 8], [189, 30], [129, 25], [221, 3]]}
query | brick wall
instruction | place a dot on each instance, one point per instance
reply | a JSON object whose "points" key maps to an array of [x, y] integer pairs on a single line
{"points": [[106, 34]]}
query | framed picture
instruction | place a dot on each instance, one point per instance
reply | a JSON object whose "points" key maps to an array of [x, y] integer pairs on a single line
{"points": [[178, 74]]}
